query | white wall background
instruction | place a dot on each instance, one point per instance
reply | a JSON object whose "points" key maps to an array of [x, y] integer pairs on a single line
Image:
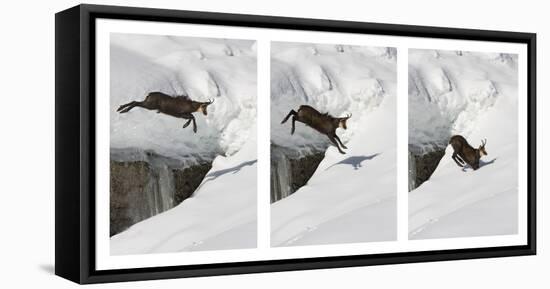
{"points": [[27, 146]]}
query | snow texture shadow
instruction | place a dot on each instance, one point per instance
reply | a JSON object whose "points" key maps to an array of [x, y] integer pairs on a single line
{"points": [[355, 161], [213, 175], [481, 164]]}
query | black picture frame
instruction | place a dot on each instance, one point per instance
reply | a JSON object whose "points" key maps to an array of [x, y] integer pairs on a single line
{"points": [[75, 142]]}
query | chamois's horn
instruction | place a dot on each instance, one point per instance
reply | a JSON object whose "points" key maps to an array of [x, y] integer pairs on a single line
{"points": [[348, 115], [483, 142], [210, 101]]}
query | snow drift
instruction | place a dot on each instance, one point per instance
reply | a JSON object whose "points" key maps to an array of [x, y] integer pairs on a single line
{"points": [[349, 198], [474, 95]]}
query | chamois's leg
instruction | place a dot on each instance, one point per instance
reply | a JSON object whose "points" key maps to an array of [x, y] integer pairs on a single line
{"points": [[194, 125], [124, 106], [131, 104], [456, 160], [292, 112], [333, 140], [127, 107], [460, 159], [341, 144], [190, 118], [187, 123], [293, 125]]}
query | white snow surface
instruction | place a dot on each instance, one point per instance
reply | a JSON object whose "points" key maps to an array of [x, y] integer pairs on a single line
{"points": [[475, 95], [221, 213], [350, 198], [202, 68]]}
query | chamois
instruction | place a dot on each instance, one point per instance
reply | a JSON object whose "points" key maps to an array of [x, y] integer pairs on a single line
{"points": [[321, 122], [179, 106], [465, 153]]}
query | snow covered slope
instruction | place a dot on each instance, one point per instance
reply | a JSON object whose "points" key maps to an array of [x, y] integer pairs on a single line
{"points": [[221, 214], [349, 198], [475, 95], [202, 68]]}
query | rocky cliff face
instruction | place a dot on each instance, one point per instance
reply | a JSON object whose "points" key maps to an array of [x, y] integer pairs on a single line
{"points": [[140, 189], [422, 165], [291, 169]]}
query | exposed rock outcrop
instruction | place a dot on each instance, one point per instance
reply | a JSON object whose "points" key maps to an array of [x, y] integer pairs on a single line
{"points": [[290, 169], [140, 189]]}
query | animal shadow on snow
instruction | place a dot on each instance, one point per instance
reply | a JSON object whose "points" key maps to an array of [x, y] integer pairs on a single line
{"points": [[355, 161], [481, 164], [213, 175]]}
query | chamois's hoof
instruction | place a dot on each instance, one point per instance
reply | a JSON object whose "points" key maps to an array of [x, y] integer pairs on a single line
{"points": [[342, 152], [344, 147]]}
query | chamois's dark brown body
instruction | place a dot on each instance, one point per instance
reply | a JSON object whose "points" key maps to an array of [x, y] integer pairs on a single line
{"points": [[321, 122], [178, 106], [464, 153]]}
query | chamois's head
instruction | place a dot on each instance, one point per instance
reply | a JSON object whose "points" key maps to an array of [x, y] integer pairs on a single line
{"points": [[482, 151], [343, 120], [204, 105]]}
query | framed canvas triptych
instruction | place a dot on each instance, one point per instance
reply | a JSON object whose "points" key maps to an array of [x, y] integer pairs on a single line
{"points": [[195, 144]]}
